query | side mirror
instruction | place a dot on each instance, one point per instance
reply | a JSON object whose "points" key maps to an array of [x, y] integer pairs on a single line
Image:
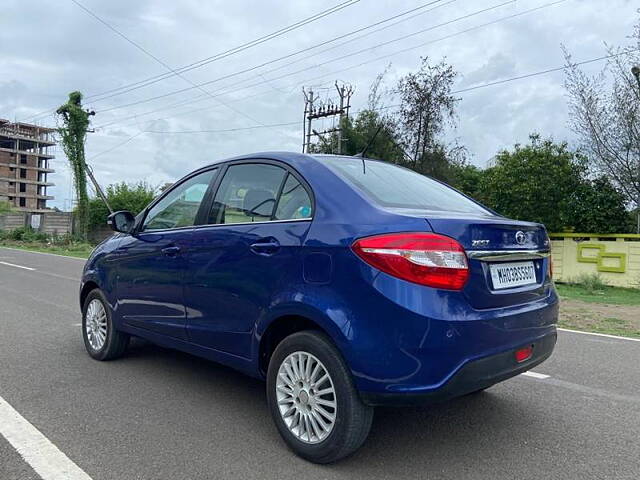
{"points": [[122, 221]]}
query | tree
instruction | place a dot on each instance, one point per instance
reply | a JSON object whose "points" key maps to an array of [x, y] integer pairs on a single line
{"points": [[468, 179], [426, 108], [597, 206], [73, 134], [534, 182], [548, 183], [121, 196], [409, 137], [357, 133], [605, 113]]}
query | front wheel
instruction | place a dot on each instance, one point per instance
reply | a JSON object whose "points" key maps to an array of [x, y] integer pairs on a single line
{"points": [[101, 339], [312, 399]]}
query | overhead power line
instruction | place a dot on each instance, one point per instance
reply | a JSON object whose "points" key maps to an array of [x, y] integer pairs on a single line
{"points": [[462, 90], [239, 129], [298, 52], [227, 130], [339, 71], [549, 70], [264, 80], [223, 54], [152, 80], [116, 146], [161, 62], [467, 89], [403, 37], [231, 51]]}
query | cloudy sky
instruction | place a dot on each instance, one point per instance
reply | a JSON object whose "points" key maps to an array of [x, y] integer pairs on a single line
{"points": [[48, 49]]}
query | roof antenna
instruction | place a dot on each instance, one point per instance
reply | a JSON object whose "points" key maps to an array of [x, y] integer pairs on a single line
{"points": [[364, 151]]}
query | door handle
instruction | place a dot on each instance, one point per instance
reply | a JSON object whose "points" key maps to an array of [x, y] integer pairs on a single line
{"points": [[171, 251], [265, 247]]}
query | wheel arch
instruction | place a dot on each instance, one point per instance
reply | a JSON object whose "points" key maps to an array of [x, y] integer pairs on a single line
{"points": [[88, 286], [280, 326]]}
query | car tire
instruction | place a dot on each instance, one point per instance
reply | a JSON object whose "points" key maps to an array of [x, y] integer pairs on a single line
{"points": [[318, 438], [101, 339]]}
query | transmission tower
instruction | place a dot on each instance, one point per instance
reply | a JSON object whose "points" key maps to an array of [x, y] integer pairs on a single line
{"points": [[315, 109]]}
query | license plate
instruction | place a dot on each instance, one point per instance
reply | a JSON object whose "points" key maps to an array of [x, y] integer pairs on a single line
{"points": [[505, 275]]}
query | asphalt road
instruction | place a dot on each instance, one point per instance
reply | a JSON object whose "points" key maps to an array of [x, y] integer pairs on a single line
{"points": [[159, 414]]}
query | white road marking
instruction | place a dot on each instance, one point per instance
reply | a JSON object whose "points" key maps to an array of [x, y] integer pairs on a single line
{"points": [[617, 337], [44, 253], [539, 376], [42, 455], [17, 266]]}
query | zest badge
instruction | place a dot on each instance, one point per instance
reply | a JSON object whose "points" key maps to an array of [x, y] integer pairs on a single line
{"points": [[479, 243]]}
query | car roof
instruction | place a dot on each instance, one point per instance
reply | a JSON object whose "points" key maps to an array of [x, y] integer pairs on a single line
{"points": [[292, 158]]}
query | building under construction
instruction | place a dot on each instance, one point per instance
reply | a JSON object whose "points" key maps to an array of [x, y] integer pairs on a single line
{"points": [[24, 165]]}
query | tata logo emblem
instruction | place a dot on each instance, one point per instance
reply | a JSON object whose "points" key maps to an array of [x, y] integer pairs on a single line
{"points": [[520, 237]]}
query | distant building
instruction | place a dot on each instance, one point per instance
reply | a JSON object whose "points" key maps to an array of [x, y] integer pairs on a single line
{"points": [[24, 165]]}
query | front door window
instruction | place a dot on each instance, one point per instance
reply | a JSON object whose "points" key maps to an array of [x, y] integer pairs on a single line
{"points": [[180, 206]]}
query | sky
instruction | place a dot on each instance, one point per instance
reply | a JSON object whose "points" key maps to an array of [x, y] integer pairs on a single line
{"points": [[48, 49]]}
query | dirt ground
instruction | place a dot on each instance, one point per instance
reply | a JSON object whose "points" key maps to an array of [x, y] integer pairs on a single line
{"points": [[599, 317]]}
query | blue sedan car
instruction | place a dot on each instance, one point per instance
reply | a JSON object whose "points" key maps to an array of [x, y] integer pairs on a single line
{"points": [[344, 282]]}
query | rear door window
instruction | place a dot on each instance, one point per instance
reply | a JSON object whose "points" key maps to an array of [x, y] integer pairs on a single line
{"points": [[247, 194], [294, 202]]}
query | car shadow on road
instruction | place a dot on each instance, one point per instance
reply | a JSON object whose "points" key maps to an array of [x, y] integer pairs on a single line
{"points": [[433, 435]]}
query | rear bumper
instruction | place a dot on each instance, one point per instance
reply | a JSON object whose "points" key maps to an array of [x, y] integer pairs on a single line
{"points": [[473, 376]]}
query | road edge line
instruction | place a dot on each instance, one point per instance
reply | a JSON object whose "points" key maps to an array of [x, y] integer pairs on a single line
{"points": [[617, 337], [38, 451], [15, 265], [42, 253]]}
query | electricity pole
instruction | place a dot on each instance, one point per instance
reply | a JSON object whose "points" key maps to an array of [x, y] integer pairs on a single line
{"points": [[308, 109], [325, 110], [345, 103]]}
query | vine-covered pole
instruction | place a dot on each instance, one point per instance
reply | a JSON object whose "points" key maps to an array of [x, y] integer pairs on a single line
{"points": [[73, 134]]}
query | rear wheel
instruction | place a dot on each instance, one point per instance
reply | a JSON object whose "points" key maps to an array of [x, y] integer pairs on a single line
{"points": [[101, 339], [312, 399]]}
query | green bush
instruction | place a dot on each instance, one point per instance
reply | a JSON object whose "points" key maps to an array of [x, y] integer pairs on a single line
{"points": [[5, 207], [28, 235], [121, 196], [591, 282], [24, 234]]}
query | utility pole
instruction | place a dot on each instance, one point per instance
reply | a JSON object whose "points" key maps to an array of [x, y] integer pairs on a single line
{"points": [[635, 71], [325, 110], [345, 103], [308, 109]]}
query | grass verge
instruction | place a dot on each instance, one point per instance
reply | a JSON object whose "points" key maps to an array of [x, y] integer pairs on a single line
{"points": [[611, 310], [78, 250], [605, 295]]}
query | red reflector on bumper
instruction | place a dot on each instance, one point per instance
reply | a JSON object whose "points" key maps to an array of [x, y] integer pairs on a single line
{"points": [[524, 354]]}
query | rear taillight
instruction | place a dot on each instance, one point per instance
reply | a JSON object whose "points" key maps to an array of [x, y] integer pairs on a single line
{"points": [[425, 258]]}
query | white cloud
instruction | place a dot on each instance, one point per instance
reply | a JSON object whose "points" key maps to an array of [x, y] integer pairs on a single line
{"points": [[49, 49]]}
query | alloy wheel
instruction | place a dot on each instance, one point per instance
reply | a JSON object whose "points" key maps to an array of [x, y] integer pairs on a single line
{"points": [[306, 397], [96, 324]]}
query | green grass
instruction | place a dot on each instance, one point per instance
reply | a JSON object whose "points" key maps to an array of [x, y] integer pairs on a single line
{"points": [[610, 326], [78, 250], [607, 295]]}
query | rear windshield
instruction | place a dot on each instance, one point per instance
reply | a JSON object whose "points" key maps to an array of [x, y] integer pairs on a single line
{"points": [[392, 186]]}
